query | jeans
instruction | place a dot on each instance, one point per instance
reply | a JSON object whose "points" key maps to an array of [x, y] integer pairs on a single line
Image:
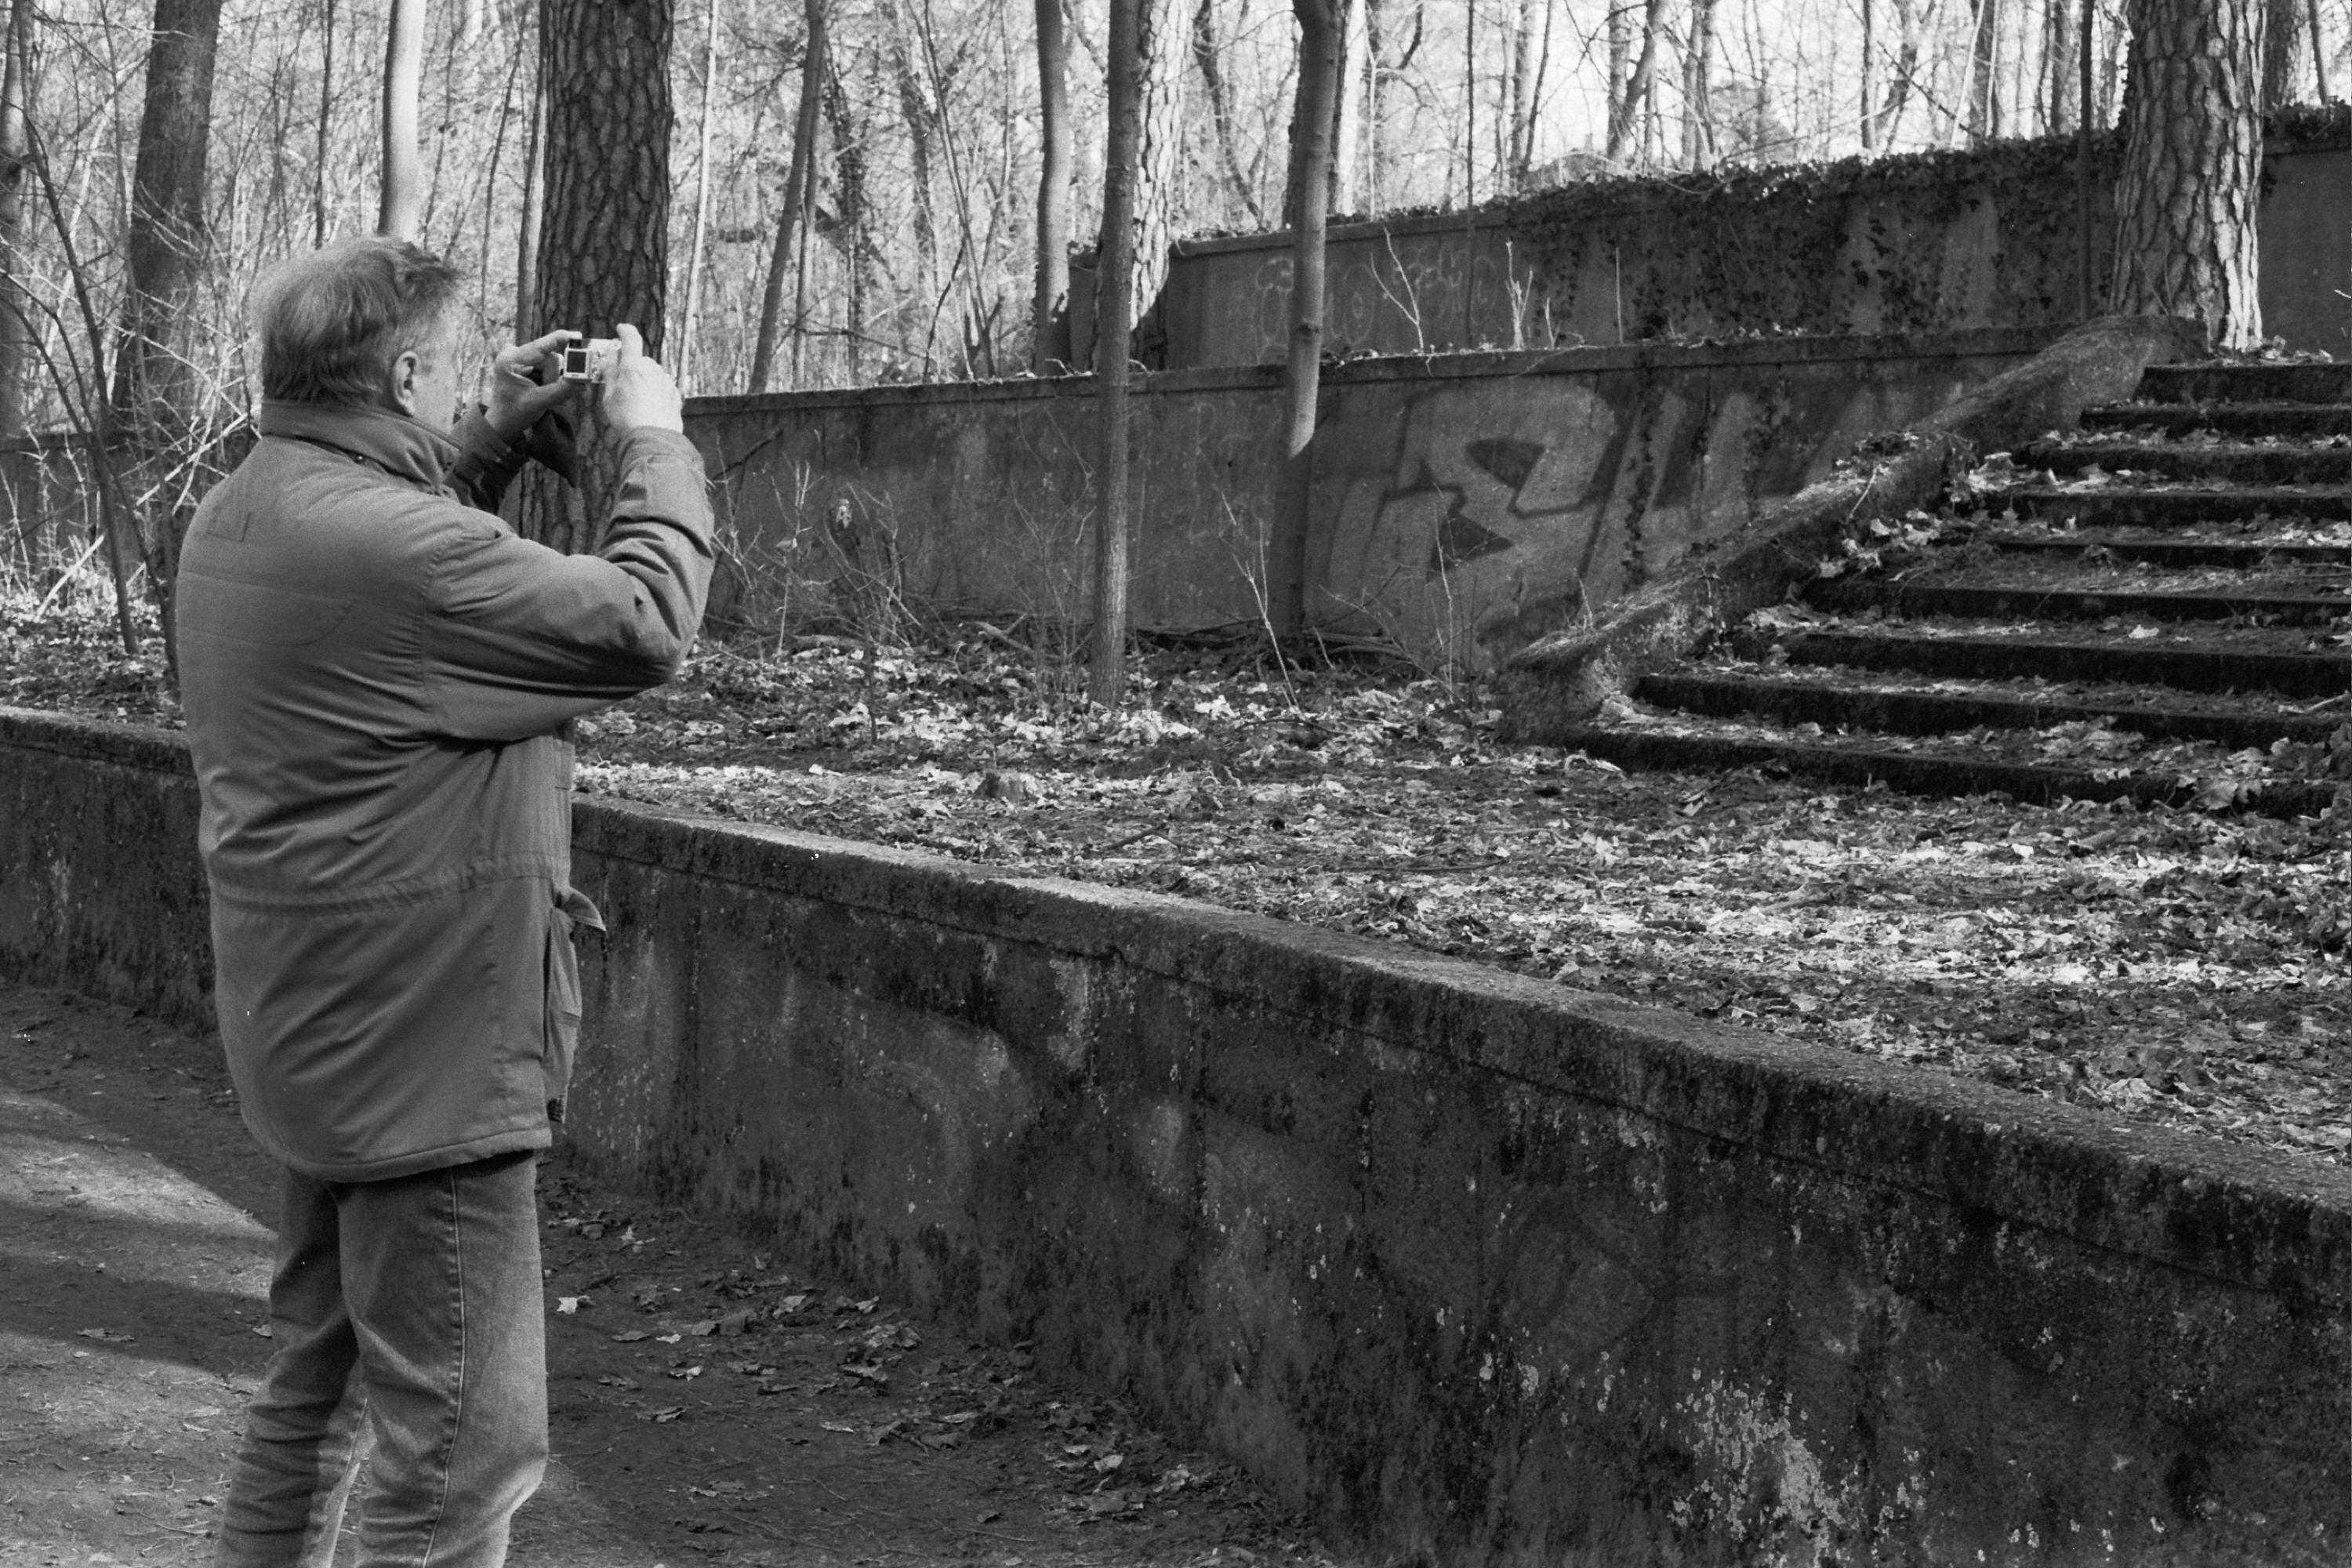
{"points": [[410, 1342]]}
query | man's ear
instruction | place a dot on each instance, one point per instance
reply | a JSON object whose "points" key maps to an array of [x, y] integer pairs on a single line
{"points": [[400, 383]]}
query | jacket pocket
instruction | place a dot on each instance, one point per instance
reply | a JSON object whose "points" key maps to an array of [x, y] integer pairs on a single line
{"points": [[260, 613], [562, 1010]]}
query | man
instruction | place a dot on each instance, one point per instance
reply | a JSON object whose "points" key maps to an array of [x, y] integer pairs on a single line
{"points": [[375, 671]]}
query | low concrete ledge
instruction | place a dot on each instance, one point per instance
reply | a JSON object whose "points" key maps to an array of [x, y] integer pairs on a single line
{"points": [[1464, 1264], [1562, 679]]}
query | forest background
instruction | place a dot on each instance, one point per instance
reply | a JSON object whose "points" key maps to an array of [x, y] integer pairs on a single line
{"points": [[928, 138]]}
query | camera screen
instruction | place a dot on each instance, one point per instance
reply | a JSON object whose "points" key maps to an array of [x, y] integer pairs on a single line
{"points": [[575, 357]]}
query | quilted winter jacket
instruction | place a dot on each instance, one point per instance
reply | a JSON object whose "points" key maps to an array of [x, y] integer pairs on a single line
{"points": [[374, 670]]}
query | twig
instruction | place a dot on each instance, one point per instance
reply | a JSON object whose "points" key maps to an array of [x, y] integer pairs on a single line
{"points": [[1119, 844]]}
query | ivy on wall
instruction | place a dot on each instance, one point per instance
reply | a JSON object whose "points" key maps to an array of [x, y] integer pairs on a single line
{"points": [[1982, 236]]}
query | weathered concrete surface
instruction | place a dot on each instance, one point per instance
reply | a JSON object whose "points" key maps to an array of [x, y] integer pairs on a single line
{"points": [[1926, 246], [1462, 506], [1462, 1262], [1560, 680]]}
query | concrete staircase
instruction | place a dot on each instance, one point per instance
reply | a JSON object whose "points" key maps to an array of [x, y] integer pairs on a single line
{"points": [[2153, 606]]}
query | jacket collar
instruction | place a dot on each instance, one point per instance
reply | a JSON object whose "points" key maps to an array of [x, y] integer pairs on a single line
{"points": [[388, 440]]}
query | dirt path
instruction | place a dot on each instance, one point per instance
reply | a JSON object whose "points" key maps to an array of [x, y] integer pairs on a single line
{"points": [[708, 1403]]}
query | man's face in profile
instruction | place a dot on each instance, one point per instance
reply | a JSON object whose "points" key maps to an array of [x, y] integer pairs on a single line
{"points": [[434, 387]]}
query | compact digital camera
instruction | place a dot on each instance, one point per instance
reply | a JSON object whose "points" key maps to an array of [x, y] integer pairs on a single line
{"points": [[589, 359]]}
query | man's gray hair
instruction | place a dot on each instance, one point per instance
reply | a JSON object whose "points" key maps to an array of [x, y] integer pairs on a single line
{"points": [[332, 321]]}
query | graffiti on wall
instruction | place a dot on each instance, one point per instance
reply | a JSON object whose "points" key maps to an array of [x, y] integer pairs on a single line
{"points": [[1535, 503]]}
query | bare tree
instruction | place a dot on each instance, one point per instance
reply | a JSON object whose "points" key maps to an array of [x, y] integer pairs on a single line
{"points": [[1207, 54], [1902, 78], [1984, 73], [15, 299], [791, 223], [2186, 239], [1698, 84], [534, 196], [1159, 145], [1634, 106], [918, 110], [848, 131], [2060, 70], [1310, 159], [1518, 100], [403, 60], [1114, 323], [326, 122], [1049, 317], [702, 179], [1347, 109], [2282, 23], [154, 386], [2318, 49]]}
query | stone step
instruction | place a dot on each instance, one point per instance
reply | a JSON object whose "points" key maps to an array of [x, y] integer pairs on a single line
{"points": [[2235, 464], [1940, 773], [2037, 602], [2207, 665], [2317, 381], [1846, 700], [2124, 545], [2286, 420], [2126, 505]]}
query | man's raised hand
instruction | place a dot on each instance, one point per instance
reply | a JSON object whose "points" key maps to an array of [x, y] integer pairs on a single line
{"points": [[638, 393], [515, 400]]}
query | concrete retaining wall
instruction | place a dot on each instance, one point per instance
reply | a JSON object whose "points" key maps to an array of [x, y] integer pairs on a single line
{"points": [[1464, 506], [1928, 242], [1461, 1263]]}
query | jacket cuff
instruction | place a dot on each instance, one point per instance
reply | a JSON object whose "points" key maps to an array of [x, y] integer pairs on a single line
{"points": [[484, 464], [641, 444]]}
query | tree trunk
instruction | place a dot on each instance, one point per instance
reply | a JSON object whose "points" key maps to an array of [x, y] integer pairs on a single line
{"points": [[603, 243], [2318, 49], [157, 395], [856, 228], [1634, 102], [1869, 47], [1621, 72], [1375, 165], [2192, 175], [1898, 87], [154, 386], [1209, 56], [2280, 26], [701, 202], [791, 223], [1311, 157], [1519, 111], [1049, 311], [326, 119], [1159, 152], [1698, 87], [15, 325], [1984, 75], [403, 60], [1114, 320], [534, 197], [1348, 107], [2065, 110], [920, 112]]}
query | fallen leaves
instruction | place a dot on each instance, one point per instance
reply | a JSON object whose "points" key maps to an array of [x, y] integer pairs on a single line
{"points": [[2016, 945]]}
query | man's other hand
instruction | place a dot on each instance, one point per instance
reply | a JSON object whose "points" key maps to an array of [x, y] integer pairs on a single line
{"points": [[638, 393], [516, 401]]}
